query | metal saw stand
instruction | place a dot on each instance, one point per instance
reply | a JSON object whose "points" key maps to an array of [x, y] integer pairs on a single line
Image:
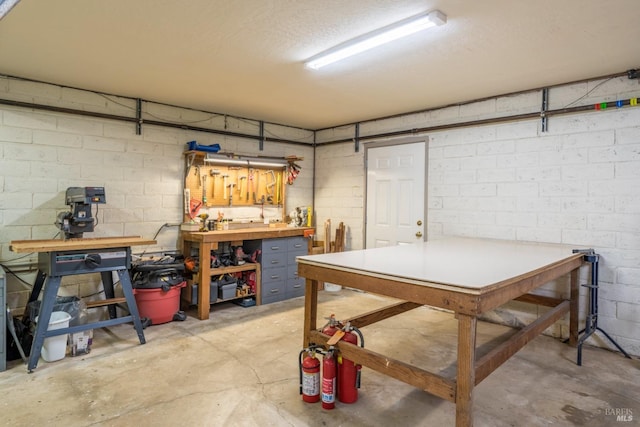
{"points": [[591, 325], [55, 265]]}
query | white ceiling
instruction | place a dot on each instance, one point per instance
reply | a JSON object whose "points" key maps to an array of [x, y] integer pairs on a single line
{"points": [[244, 57]]}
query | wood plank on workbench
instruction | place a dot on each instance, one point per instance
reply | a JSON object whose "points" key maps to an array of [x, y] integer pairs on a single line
{"points": [[21, 246]]}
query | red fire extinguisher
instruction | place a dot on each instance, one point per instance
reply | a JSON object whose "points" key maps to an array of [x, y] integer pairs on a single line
{"points": [[348, 371], [329, 379], [332, 326], [309, 367]]}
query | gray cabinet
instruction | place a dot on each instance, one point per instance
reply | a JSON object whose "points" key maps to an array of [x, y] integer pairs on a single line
{"points": [[280, 279], [296, 246]]}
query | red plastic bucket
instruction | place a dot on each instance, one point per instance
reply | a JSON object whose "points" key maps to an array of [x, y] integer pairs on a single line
{"points": [[158, 305]]}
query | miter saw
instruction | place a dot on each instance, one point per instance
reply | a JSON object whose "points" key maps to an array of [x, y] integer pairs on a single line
{"points": [[79, 220]]}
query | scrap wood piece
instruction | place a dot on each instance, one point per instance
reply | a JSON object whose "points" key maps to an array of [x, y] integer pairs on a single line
{"points": [[340, 238], [327, 236]]}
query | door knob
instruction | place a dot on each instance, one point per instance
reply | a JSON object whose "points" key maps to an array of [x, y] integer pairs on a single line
{"points": [[419, 222], [419, 234]]}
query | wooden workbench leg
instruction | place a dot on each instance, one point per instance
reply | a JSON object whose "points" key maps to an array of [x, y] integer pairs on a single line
{"points": [[310, 309], [466, 375], [204, 280], [574, 305]]}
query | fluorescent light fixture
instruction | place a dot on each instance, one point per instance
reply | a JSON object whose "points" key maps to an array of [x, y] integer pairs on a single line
{"points": [[245, 161], [5, 6], [223, 160], [270, 164], [376, 38]]}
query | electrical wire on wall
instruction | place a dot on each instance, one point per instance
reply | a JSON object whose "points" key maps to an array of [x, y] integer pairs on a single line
{"points": [[589, 92], [138, 120]]}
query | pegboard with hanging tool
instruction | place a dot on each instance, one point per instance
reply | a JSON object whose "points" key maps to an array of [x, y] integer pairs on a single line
{"points": [[227, 180]]}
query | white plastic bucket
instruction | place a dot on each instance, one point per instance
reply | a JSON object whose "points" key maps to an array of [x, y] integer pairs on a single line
{"points": [[55, 348], [330, 287]]}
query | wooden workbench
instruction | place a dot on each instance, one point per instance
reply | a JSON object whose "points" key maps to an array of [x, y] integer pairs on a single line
{"points": [[208, 241], [467, 276]]}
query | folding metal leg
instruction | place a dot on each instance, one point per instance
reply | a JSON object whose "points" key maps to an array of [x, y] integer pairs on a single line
{"points": [[37, 286], [107, 283], [46, 308], [591, 325], [127, 290]]}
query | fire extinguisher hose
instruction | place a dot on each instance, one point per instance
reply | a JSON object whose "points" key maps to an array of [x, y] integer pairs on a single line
{"points": [[359, 333], [302, 352]]}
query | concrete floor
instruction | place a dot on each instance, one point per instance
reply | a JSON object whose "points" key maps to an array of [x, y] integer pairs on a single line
{"points": [[240, 368]]}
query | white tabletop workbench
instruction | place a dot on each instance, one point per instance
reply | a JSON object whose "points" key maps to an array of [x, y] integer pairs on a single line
{"points": [[465, 275]]}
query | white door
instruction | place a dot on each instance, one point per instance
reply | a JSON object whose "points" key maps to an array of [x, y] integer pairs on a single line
{"points": [[395, 194]]}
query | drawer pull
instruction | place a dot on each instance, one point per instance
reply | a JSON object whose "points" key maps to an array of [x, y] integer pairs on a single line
{"points": [[275, 248], [297, 286], [275, 261], [275, 277], [297, 246], [274, 291]]}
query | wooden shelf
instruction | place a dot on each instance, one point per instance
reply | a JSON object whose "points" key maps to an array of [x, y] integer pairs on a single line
{"points": [[234, 268], [233, 299]]}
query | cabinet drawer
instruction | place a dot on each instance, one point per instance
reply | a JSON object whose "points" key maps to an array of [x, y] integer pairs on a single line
{"points": [[272, 292], [273, 275], [292, 272], [273, 245], [291, 257], [273, 259], [295, 288], [297, 244]]}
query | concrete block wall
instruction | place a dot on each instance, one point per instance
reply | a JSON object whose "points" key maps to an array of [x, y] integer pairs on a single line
{"points": [[340, 192], [42, 153], [575, 184]]}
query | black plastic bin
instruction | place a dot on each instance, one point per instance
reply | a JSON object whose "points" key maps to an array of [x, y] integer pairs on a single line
{"points": [[70, 305]]}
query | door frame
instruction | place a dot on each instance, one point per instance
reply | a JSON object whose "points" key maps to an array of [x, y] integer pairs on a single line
{"points": [[390, 143]]}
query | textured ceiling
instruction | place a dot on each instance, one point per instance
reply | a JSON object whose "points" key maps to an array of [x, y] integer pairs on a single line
{"points": [[244, 57]]}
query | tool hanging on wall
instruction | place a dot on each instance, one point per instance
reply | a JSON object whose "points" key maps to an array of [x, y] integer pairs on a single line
{"points": [[293, 171], [214, 173], [243, 186], [262, 207], [204, 190], [187, 197], [231, 193], [194, 207], [269, 185], [278, 188], [252, 188], [224, 182]]}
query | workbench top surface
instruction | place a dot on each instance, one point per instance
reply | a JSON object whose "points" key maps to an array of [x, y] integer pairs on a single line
{"points": [[29, 246], [475, 265], [245, 234]]}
